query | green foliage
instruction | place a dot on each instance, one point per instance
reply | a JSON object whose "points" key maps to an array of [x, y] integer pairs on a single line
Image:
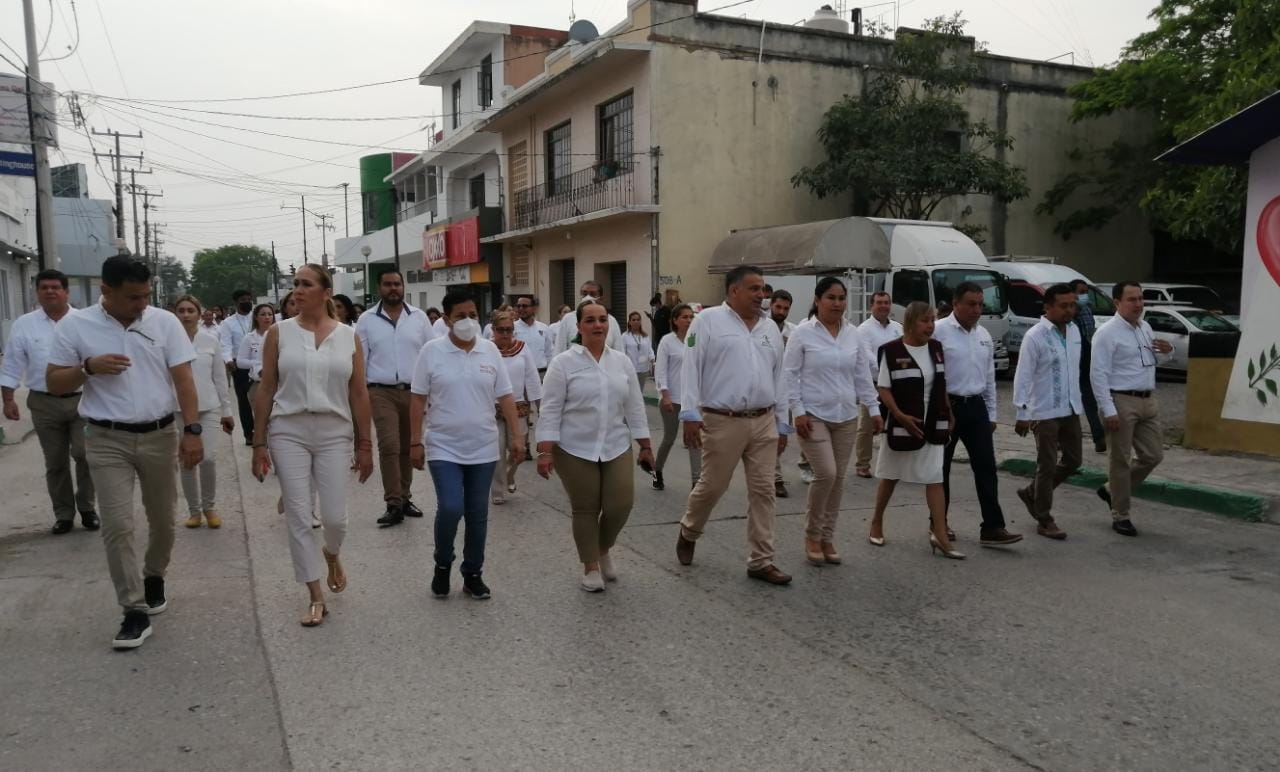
{"points": [[216, 273], [908, 144], [1204, 61], [173, 278]]}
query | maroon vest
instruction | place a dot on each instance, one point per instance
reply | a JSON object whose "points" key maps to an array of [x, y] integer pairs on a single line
{"points": [[907, 386]]}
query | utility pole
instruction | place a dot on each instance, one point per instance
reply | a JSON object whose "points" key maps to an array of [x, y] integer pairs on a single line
{"points": [[133, 192], [304, 228], [152, 258], [275, 274], [46, 242], [324, 225], [117, 162], [346, 215]]}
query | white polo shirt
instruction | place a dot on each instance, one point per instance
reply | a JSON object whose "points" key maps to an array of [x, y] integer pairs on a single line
{"points": [[593, 410], [732, 367], [231, 332], [391, 348], [26, 357], [154, 342], [828, 376], [461, 388], [874, 335], [522, 371], [971, 361], [1047, 382], [537, 341]]}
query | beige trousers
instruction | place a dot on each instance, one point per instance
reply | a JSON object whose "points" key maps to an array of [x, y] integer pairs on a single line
{"points": [[390, 408], [311, 453], [116, 458], [1058, 456], [865, 441], [601, 494], [200, 484], [1134, 450], [726, 442], [504, 474], [828, 449], [60, 431]]}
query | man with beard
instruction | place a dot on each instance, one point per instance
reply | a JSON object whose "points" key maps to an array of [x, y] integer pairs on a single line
{"points": [[391, 333], [230, 333], [589, 292]]}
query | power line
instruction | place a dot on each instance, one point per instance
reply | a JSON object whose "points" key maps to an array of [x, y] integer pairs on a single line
{"points": [[76, 46]]}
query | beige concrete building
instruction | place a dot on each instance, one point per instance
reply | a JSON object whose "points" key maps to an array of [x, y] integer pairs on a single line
{"points": [[630, 157]]}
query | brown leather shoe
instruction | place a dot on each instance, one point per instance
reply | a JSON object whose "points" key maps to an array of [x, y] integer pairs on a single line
{"points": [[997, 537], [1050, 530], [684, 550], [770, 573]]}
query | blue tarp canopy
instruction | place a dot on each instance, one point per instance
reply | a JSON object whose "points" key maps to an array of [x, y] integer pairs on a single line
{"points": [[1233, 140]]}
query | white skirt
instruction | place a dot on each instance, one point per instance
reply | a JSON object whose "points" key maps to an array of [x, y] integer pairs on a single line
{"points": [[914, 466]]}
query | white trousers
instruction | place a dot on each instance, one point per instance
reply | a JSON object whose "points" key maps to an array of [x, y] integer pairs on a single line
{"points": [[200, 485], [312, 457]]}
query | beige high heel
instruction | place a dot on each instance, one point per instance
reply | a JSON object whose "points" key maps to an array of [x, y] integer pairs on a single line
{"points": [[316, 612], [936, 546], [337, 580], [813, 551]]}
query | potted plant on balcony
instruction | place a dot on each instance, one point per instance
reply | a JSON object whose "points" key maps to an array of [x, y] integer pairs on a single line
{"points": [[607, 170]]}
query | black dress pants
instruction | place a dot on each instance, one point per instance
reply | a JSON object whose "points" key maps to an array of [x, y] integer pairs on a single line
{"points": [[240, 380], [973, 428]]}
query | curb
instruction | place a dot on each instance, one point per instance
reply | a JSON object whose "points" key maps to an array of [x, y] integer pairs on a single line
{"points": [[1219, 501]]}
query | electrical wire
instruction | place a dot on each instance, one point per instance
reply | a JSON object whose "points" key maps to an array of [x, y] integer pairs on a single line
{"points": [[76, 46]]}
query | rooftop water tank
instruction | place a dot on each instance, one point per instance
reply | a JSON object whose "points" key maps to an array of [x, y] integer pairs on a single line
{"points": [[825, 18]]}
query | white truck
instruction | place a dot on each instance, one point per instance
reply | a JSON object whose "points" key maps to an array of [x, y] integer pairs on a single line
{"points": [[909, 259], [1028, 278]]}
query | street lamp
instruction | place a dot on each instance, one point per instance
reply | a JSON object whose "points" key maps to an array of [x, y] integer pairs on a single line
{"points": [[368, 296]]}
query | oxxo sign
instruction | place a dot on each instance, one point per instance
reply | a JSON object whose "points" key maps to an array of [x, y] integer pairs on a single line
{"points": [[449, 245], [434, 251]]}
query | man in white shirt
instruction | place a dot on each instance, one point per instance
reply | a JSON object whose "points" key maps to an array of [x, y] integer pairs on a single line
{"points": [[56, 419], [876, 331], [392, 333], [131, 359], [1046, 393], [971, 386], [535, 335], [1123, 374], [230, 333], [567, 328], [734, 407], [779, 308]]}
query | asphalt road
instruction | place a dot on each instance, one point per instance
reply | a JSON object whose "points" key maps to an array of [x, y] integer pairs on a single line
{"points": [[1098, 652]]}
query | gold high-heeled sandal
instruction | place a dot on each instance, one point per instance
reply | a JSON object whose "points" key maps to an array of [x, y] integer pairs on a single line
{"points": [[316, 613], [936, 546], [337, 580]]}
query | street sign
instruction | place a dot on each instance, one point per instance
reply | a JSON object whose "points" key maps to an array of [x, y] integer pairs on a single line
{"points": [[14, 126], [17, 164]]}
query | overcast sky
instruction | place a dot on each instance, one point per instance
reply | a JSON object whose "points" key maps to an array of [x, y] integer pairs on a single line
{"points": [[195, 49]]}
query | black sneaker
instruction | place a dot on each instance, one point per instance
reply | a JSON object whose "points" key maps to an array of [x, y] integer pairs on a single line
{"points": [[393, 516], [1105, 495], [657, 483], [135, 629], [1124, 528], [780, 490], [153, 587], [63, 526], [440, 582], [474, 586], [410, 509]]}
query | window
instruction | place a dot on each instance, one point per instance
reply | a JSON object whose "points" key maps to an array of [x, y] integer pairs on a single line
{"points": [[615, 131], [1024, 300], [1153, 295], [1161, 322], [455, 104], [1201, 297], [946, 280], [618, 293], [475, 192], [1099, 302], [909, 286], [6, 310], [559, 160], [484, 83], [1208, 322]]}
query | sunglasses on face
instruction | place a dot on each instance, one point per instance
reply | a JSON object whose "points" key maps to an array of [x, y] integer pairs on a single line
{"points": [[504, 329]]}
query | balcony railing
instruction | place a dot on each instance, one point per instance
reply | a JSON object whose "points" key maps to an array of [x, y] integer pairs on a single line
{"points": [[606, 185]]}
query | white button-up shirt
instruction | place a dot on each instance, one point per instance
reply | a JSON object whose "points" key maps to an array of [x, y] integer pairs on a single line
{"points": [[461, 388], [391, 348], [231, 332], [537, 340], [249, 354], [567, 330], [731, 367], [1047, 382], [639, 349], [593, 410], [522, 371], [874, 335], [1124, 359], [210, 374], [971, 361], [668, 373], [441, 327], [26, 357], [154, 342], [828, 376]]}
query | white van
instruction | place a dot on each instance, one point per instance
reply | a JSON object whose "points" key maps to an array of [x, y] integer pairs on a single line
{"points": [[1028, 278]]}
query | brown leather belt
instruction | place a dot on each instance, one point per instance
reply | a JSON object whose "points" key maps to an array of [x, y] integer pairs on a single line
{"points": [[739, 413]]}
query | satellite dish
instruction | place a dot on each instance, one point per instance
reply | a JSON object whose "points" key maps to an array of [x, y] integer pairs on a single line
{"points": [[583, 31]]}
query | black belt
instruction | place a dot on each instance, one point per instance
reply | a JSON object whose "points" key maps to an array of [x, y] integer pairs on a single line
{"points": [[1138, 394], [146, 428], [396, 386], [966, 397], [56, 396], [756, 413]]}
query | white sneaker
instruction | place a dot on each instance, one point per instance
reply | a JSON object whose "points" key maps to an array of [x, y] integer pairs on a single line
{"points": [[593, 582], [606, 568], [806, 475]]}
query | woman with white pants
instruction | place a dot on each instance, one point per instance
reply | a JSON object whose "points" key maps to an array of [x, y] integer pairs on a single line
{"points": [[526, 390], [210, 376], [312, 386]]}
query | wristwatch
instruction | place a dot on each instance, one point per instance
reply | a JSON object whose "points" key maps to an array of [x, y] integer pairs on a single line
{"points": [[195, 429]]}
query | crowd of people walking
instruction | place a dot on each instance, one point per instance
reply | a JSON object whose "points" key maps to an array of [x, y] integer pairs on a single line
{"points": [[123, 392]]}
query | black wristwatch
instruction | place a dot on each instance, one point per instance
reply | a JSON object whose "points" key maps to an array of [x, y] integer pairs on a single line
{"points": [[195, 429]]}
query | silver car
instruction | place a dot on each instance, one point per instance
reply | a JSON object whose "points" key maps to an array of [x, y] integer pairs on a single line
{"points": [[1176, 323]]}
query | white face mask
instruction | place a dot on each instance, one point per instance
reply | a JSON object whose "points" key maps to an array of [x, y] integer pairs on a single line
{"points": [[586, 299], [1082, 299], [466, 330]]}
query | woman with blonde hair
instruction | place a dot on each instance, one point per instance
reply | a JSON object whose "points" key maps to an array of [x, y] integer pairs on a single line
{"points": [[312, 388], [210, 375]]}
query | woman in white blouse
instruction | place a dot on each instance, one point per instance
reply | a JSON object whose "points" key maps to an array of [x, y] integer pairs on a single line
{"points": [[249, 355], [638, 348], [591, 411], [312, 386], [210, 376], [666, 375], [526, 390], [829, 376]]}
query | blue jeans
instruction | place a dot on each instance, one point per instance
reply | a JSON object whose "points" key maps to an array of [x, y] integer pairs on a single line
{"points": [[462, 492]]}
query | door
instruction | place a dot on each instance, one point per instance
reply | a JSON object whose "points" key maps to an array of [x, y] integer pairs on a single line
{"points": [[1167, 327], [618, 293], [475, 195]]}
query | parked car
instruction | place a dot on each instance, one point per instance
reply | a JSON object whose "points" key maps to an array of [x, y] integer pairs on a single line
{"points": [[1176, 324], [1196, 295], [1027, 281]]}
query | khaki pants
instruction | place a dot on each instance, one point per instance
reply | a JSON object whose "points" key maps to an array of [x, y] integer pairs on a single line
{"points": [[1134, 450], [828, 449], [60, 431], [600, 494], [725, 442], [312, 456], [1054, 436], [200, 484], [115, 459], [504, 474], [390, 409], [864, 442]]}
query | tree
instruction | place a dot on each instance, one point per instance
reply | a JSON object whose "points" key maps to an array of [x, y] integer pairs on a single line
{"points": [[216, 273], [908, 145], [1204, 61], [173, 278]]}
